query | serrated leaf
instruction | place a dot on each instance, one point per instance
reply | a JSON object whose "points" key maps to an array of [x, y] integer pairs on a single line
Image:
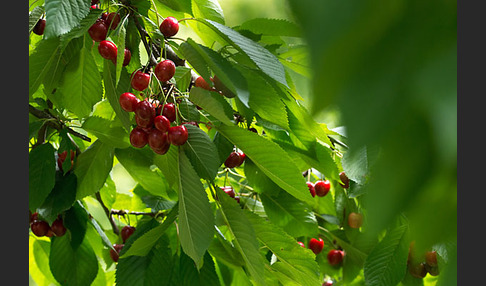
{"points": [[272, 27], [63, 15], [166, 164], [138, 163], [213, 103], [76, 222], [298, 262], [42, 174], [101, 233], [93, 167], [46, 53], [387, 262], [244, 237], [195, 59], [182, 77], [82, 28], [34, 17], [60, 199], [271, 159], [196, 219], [72, 266], [189, 111], [208, 9], [102, 128], [113, 91], [261, 57], [202, 153], [81, 81], [118, 38]]}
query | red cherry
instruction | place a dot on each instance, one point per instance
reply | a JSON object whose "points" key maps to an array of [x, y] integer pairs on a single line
{"points": [[316, 245], [126, 232], [301, 244], [312, 190], [202, 83], [93, 2], [237, 198], [169, 27], [229, 190], [327, 283], [104, 16], [34, 216], [144, 123], [98, 30], [355, 220], [335, 257], [233, 160], [169, 111], [112, 20], [108, 50], [127, 57], [178, 135], [417, 270], [128, 101], [138, 137], [322, 187], [165, 70], [58, 227], [157, 139], [140, 80], [39, 27], [162, 123], [163, 150], [39, 227], [115, 254], [145, 110], [344, 179]]}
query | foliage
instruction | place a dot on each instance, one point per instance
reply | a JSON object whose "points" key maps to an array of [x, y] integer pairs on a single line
{"points": [[389, 69]]}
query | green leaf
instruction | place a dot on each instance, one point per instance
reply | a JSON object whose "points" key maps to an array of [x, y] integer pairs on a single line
{"points": [[208, 9], [34, 17], [201, 152], [166, 164], [41, 250], [272, 27], [93, 167], [104, 130], [42, 174], [45, 54], [271, 159], [213, 103], [196, 60], [266, 61], [118, 38], [63, 15], [299, 263], [196, 219], [387, 262], [101, 232], [244, 237], [189, 111], [82, 28], [182, 77], [72, 266], [138, 163], [76, 221], [60, 199], [82, 82], [113, 91]]}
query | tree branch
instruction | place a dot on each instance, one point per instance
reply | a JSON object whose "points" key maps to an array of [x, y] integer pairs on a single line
{"points": [[116, 230]]}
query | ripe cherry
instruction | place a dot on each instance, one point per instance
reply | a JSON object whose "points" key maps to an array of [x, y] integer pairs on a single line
{"points": [[355, 220], [115, 254], [158, 139], [161, 123], [165, 70], [242, 157], [327, 283], [301, 244], [128, 101], [169, 111], [127, 57], [108, 50], [312, 189], [140, 80], [98, 30], [316, 245], [39, 227], [229, 190], [39, 27], [178, 135], [62, 157], [145, 110], [58, 227], [335, 257], [233, 160], [138, 137], [322, 188], [163, 150], [417, 270], [237, 198], [169, 27], [344, 178], [112, 20], [202, 83], [126, 232]]}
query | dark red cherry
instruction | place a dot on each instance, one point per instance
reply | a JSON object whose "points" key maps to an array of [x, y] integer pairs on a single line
{"points": [[316, 245], [128, 101], [138, 137], [158, 139], [98, 30], [39, 27], [108, 50], [335, 257], [169, 111], [58, 227], [312, 190], [145, 110], [322, 188], [169, 27], [162, 123], [165, 70], [140, 80], [39, 227], [126, 232], [178, 135]]}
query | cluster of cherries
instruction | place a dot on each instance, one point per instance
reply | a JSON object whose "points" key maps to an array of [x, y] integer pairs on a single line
{"points": [[419, 266], [125, 233], [40, 227], [334, 256]]}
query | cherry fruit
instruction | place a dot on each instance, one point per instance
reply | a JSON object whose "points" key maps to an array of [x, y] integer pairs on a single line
{"points": [[178, 135], [169, 111], [301, 244], [126, 232], [344, 178], [335, 257], [229, 190], [115, 254], [431, 258], [140, 80], [316, 245], [39, 227], [312, 189], [112, 20], [128, 101], [138, 137], [202, 83], [165, 70], [157, 139], [126, 57], [58, 227], [322, 188], [98, 30], [108, 50], [233, 160], [39, 27], [161, 123], [355, 220], [169, 27], [145, 110]]}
